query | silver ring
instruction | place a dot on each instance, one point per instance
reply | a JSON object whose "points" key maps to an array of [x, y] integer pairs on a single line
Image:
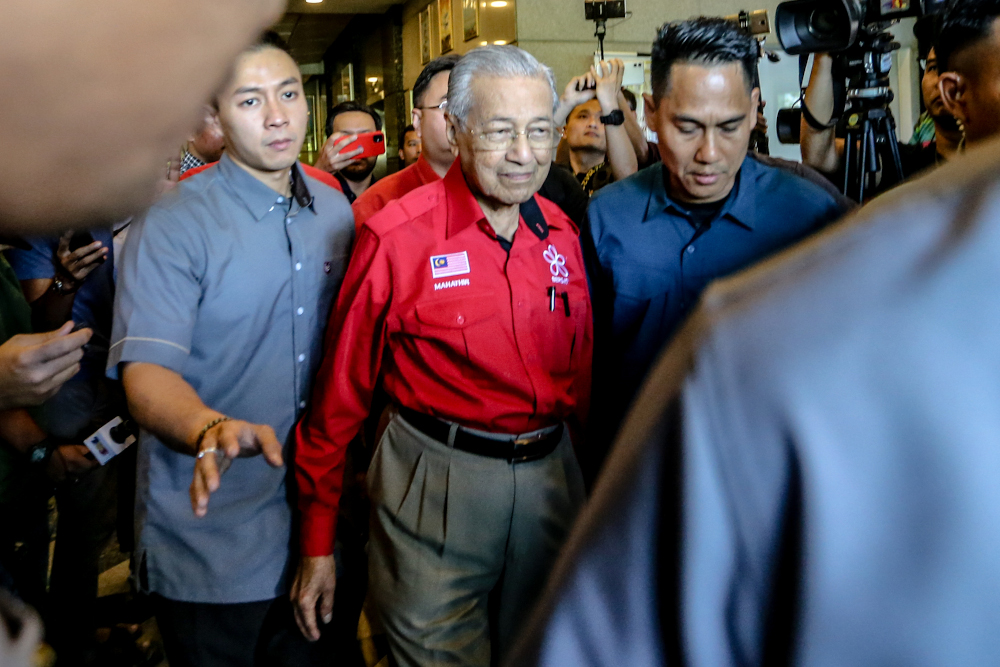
{"points": [[207, 450]]}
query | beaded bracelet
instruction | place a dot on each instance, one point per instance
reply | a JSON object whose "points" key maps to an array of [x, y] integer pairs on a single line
{"points": [[204, 431]]}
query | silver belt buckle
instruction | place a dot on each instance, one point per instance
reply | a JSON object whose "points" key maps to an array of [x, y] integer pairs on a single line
{"points": [[530, 439]]}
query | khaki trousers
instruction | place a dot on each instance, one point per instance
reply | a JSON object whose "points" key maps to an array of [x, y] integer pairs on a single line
{"points": [[461, 544]]}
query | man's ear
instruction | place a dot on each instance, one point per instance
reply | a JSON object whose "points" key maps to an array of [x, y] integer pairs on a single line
{"points": [[453, 133], [417, 115], [649, 104], [954, 89], [754, 106]]}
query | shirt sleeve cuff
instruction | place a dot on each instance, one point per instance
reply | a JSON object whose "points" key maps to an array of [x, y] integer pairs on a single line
{"points": [[164, 353], [319, 529]]}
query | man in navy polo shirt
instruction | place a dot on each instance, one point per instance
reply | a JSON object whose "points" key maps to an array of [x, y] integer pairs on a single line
{"points": [[659, 237]]}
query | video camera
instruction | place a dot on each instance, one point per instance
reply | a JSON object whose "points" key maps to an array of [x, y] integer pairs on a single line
{"points": [[814, 26], [855, 33]]}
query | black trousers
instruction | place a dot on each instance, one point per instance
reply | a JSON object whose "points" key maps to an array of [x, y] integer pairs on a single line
{"points": [[252, 634]]}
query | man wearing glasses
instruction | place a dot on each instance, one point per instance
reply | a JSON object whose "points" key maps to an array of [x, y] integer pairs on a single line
{"points": [[470, 296], [430, 95]]}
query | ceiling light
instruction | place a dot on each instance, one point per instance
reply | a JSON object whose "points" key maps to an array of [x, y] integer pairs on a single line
{"points": [[496, 3], [483, 43], [314, 2], [500, 42], [373, 79]]}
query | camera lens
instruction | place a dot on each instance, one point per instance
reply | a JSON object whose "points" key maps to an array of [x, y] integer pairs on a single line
{"points": [[825, 23]]}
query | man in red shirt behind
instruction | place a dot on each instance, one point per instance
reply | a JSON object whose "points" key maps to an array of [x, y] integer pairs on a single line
{"points": [[470, 296], [430, 97]]}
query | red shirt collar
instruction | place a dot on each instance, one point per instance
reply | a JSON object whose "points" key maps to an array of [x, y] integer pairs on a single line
{"points": [[425, 171], [463, 208]]}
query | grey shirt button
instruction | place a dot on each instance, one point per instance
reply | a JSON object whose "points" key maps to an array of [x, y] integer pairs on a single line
{"points": [[690, 249], [300, 310], [302, 358], [281, 200], [288, 221], [298, 266], [302, 404]]}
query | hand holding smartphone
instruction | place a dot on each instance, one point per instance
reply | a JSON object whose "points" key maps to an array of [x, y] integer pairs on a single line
{"points": [[371, 143]]}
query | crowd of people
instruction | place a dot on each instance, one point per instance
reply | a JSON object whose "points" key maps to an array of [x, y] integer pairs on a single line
{"points": [[550, 394]]}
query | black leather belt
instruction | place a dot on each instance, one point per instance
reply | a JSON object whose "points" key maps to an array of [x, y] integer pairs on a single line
{"points": [[515, 450]]}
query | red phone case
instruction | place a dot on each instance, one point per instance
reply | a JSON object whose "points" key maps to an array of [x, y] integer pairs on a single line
{"points": [[373, 144]]}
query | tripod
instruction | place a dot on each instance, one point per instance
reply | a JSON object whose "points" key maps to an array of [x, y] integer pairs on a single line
{"points": [[870, 131]]}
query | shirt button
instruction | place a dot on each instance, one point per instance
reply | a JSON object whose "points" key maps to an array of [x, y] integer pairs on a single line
{"points": [[460, 319], [300, 310], [281, 200], [298, 266], [302, 358], [690, 249], [288, 221], [302, 404]]}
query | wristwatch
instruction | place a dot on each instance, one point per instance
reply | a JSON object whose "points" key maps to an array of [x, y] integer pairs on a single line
{"points": [[616, 117], [40, 454], [64, 286]]}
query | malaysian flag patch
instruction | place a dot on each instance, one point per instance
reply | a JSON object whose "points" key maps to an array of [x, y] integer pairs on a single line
{"points": [[445, 266]]}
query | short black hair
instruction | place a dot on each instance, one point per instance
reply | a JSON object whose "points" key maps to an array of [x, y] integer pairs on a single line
{"points": [[433, 68], [402, 135], [270, 39], [965, 22], [347, 107], [926, 30], [630, 98], [709, 41]]}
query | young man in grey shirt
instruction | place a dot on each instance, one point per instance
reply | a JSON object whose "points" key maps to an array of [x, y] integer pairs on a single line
{"points": [[223, 296]]}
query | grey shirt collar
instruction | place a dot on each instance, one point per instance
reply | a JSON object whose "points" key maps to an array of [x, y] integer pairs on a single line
{"points": [[257, 197]]}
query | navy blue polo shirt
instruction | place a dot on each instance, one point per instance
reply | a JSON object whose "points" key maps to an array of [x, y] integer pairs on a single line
{"points": [[649, 260]]}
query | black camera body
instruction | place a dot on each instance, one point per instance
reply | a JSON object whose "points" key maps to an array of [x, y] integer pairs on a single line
{"points": [[814, 26]]}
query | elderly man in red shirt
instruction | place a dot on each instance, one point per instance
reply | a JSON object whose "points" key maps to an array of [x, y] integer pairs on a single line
{"points": [[469, 294]]}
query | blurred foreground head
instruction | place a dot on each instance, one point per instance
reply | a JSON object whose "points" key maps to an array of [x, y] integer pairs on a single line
{"points": [[96, 95]]}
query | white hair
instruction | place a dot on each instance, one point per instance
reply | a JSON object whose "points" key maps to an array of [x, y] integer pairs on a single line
{"points": [[503, 62]]}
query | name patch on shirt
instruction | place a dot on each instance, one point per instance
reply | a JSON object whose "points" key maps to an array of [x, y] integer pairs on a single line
{"points": [[557, 265], [461, 282], [446, 266]]}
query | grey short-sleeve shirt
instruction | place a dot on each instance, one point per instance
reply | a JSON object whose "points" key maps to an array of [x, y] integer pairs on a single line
{"points": [[230, 285]]}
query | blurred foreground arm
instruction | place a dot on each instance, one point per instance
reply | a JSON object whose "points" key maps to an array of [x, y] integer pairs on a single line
{"points": [[162, 59]]}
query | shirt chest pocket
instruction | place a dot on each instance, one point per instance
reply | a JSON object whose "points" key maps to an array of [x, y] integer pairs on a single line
{"points": [[455, 330], [641, 294], [558, 326]]}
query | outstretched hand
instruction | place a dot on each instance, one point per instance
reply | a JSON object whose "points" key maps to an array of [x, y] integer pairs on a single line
{"points": [[223, 443]]}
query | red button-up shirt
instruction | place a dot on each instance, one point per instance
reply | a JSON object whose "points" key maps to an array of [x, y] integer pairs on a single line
{"points": [[391, 188], [459, 329]]}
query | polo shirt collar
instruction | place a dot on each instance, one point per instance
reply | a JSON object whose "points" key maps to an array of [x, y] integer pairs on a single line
{"points": [[257, 197], [740, 205], [464, 209], [425, 171]]}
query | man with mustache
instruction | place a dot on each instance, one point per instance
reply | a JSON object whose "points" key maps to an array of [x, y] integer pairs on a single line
{"points": [[224, 289], [659, 237]]}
